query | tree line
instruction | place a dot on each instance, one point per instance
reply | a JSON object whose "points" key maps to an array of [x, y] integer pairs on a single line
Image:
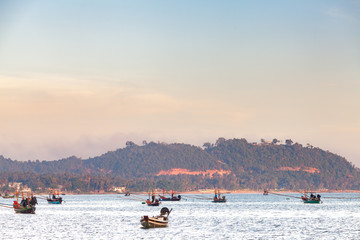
{"points": [[252, 166]]}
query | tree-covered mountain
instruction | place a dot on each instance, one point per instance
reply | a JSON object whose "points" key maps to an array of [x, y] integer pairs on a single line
{"points": [[229, 164], [289, 166], [148, 160]]}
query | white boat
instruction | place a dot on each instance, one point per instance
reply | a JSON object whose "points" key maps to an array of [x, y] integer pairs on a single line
{"points": [[156, 221]]}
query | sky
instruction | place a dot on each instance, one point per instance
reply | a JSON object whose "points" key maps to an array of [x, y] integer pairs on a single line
{"points": [[83, 77]]}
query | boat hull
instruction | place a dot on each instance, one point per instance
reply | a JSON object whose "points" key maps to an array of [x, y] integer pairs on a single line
{"points": [[54, 201], [153, 204], [8, 196], [311, 201], [28, 210], [151, 222], [170, 199]]}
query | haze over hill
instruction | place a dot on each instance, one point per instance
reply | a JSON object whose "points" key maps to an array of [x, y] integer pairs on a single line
{"points": [[229, 164]]}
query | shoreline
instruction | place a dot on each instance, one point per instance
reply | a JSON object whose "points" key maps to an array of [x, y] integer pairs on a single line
{"points": [[211, 191]]}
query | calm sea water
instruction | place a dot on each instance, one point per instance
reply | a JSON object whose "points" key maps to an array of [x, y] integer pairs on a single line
{"points": [[244, 216]]}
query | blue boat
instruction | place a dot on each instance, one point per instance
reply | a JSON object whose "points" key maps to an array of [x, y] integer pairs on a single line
{"points": [[311, 199], [54, 198]]}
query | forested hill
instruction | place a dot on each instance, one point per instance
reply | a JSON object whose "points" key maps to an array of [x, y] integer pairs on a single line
{"points": [[287, 166], [131, 162], [233, 163], [148, 160]]}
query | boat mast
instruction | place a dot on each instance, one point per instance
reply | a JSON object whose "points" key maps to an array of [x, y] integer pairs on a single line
{"points": [[17, 195]]}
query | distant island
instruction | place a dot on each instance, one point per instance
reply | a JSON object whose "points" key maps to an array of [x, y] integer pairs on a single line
{"points": [[227, 164]]}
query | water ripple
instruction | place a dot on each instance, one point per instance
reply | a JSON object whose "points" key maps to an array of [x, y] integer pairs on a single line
{"points": [[244, 216]]}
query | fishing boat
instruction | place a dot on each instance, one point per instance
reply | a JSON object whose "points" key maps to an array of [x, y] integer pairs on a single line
{"points": [[54, 198], [154, 204], [8, 196], [172, 198], [27, 204], [154, 201], [161, 220], [217, 198], [266, 192], [312, 198]]}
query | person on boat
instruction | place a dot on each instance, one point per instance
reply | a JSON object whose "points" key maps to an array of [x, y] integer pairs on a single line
{"points": [[53, 196], [23, 203], [216, 197], [33, 201], [318, 196], [153, 198]]}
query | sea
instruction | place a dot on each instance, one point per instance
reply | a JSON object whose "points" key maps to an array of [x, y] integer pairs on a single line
{"points": [[243, 216]]}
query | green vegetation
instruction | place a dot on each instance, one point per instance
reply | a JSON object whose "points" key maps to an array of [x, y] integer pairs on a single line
{"points": [[253, 166]]}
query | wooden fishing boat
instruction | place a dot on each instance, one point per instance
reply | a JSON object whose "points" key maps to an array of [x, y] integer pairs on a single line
{"points": [[172, 198], [217, 198], [20, 209], [311, 198], [54, 198], [154, 201], [161, 220], [266, 192], [221, 200], [27, 205], [154, 204], [8, 196]]}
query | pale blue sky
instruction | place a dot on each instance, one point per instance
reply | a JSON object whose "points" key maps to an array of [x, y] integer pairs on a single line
{"points": [[82, 77]]}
